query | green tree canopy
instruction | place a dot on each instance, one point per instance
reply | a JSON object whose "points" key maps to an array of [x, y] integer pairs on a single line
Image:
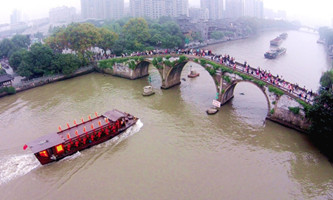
{"points": [[217, 35], [136, 30], [108, 39], [321, 116], [6, 47], [326, 80], [77, 37], [21, 41]]}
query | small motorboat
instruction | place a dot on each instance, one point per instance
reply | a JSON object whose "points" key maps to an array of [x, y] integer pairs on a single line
{"points": [[193, 74]]}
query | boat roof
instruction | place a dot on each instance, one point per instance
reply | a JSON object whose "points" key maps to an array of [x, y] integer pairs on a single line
{"points": [[45, 142], [60, 137], [114, 115]]}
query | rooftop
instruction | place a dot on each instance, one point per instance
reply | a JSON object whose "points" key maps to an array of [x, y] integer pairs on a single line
{"points": [[5, 78]]}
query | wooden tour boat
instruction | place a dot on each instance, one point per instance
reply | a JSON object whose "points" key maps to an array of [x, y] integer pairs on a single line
{"points": [[55, 146]]}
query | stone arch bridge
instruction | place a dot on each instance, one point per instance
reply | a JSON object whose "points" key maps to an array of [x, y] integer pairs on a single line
{"points": [[283, 107]]}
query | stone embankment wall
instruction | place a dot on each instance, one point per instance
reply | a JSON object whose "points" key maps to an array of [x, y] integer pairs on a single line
{"points": [[281, 114], [26, 85], [123, 70]]}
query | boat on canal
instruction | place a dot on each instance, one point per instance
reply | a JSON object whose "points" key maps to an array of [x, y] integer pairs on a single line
{"points": [[272, 54], [276, 42], [58, 145], [193, 74], [283, 36]]}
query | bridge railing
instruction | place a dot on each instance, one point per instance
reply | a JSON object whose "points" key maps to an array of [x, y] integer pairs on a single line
{"points": [[295, 92]]}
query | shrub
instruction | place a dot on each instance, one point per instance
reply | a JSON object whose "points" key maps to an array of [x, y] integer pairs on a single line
{"points": [[294, 110], [272, 111], [260, 83], [182, 58], [227, 79], [211, 71], [11, 90], [203, 62], [276, 91], [306, 106]]}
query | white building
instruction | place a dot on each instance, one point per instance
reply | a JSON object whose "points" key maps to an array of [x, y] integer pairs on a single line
{"points": [[114, 9], [102, 9], [157, 8], [62, 14], [215, 8], [15, 17], [234, 8], [199, 13]]}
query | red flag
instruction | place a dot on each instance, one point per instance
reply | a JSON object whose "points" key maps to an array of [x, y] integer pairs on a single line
{"points": [[25, 147]]}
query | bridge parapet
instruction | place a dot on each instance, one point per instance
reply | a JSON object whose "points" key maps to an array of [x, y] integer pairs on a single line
{"points": [[283, 107]]}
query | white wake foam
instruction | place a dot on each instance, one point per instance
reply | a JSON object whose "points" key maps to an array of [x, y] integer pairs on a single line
{"points": [[13, 166]]}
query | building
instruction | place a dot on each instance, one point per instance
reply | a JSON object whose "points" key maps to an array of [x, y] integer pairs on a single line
{"points": [[114, 9], [62, 14], [199, 14], [180, 8], [271, 14], [102, 9], [6, 80], [234, 8], [259, 9], [254, 8], [157, 8], [15, 17], [215, 8]]}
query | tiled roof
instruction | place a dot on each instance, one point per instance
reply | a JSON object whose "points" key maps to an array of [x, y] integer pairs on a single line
{"points": [[5, 78]]}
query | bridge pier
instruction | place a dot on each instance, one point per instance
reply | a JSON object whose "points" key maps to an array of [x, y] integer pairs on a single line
{"points": [[171, 75]]}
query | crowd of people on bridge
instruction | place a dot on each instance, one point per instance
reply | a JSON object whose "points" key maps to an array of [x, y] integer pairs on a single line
{"points": [[228, 61]]}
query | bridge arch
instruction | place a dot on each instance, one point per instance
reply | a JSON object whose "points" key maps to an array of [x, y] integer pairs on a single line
{"points": [[229, 93]]}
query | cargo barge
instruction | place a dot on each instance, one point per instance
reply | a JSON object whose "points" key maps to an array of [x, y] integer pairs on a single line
{"points": [[272, 54], [57, 145], [276, 42]]}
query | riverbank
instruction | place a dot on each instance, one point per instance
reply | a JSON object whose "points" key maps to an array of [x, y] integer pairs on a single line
{"points": [[26, 85]]}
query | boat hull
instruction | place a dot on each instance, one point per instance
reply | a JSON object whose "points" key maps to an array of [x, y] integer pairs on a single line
{"points": [[82, 140]]}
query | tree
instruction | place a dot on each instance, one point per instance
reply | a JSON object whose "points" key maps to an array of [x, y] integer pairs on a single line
{"points": [[66, 63], [6, 46], [77, 37], [16, 58], [136, 30], [321, 116], [108, 39], [36, 62], [217, 35], [21, 41], [81, 37], [326, 80], [2, 71]]}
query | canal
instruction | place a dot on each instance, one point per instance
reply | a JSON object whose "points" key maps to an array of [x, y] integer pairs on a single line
{"points": [[176, 151]]}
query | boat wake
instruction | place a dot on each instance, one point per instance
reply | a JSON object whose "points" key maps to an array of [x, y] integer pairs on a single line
{"points": [[14, 166]]}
